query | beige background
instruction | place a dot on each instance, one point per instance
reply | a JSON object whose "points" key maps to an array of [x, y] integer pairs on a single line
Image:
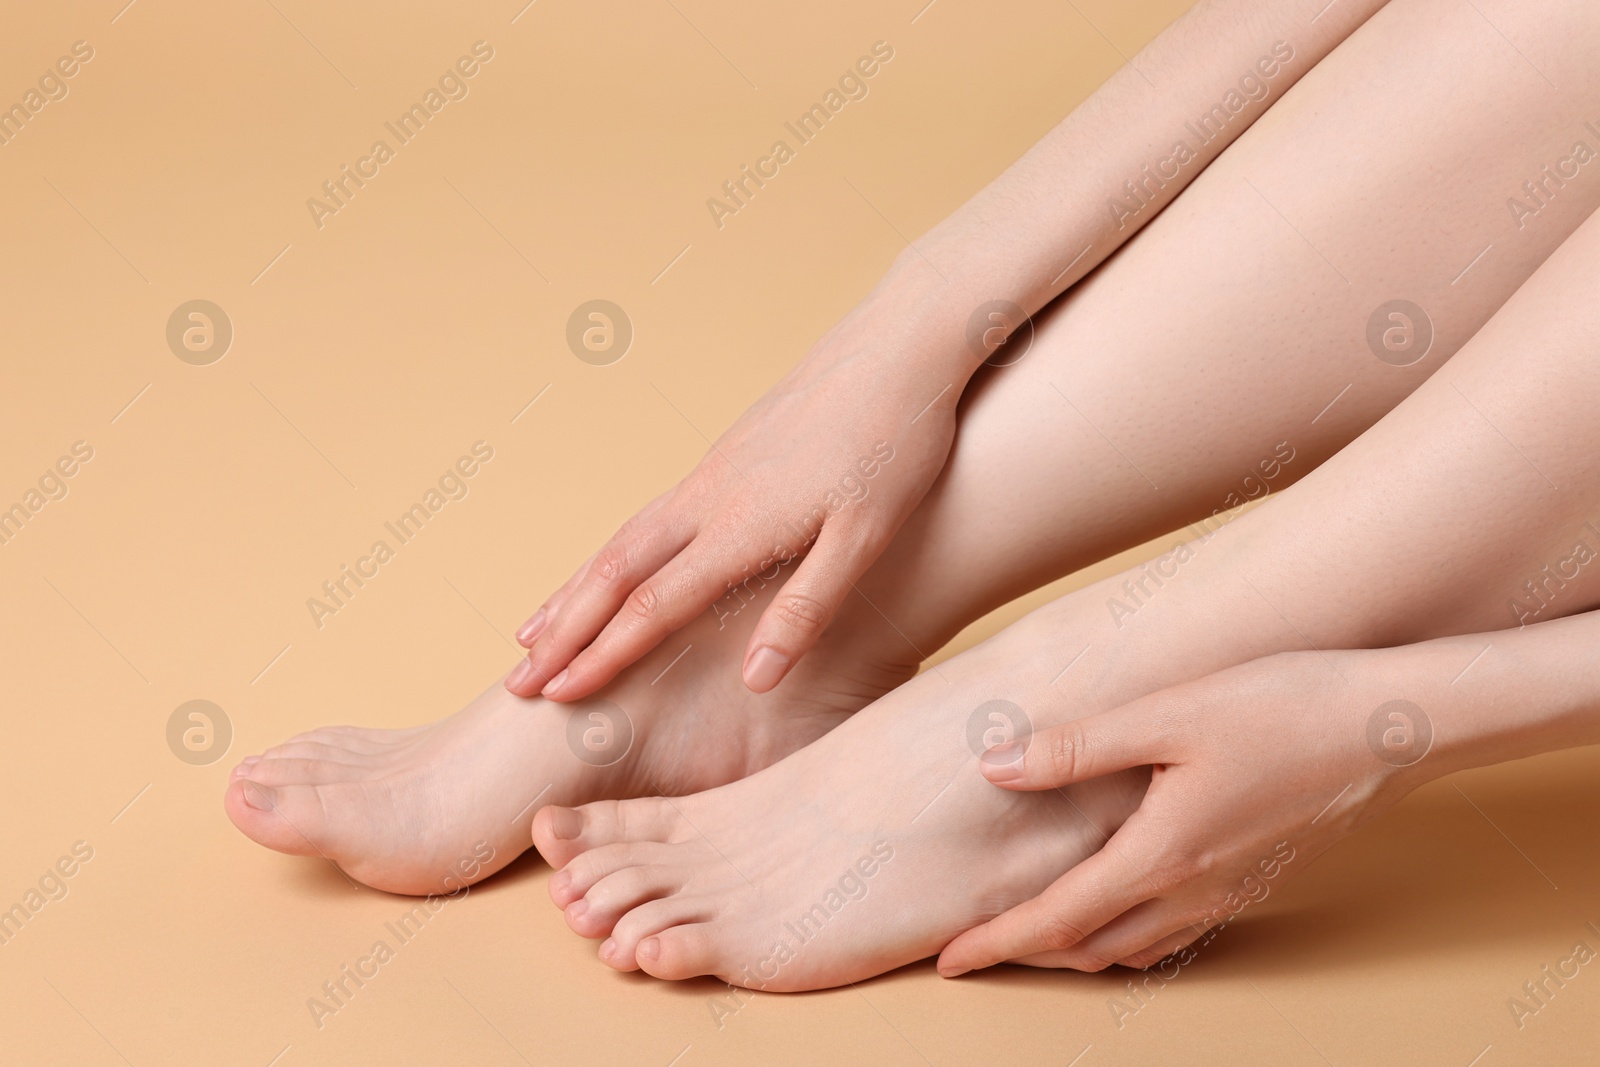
{"points": [[426, 315]]}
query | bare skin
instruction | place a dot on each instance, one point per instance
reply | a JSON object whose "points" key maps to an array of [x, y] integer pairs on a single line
{"points": [[1488, 467], [1196, 400]]}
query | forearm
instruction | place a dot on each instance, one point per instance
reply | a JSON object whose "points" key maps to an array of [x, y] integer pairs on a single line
{"points": [[1108, 168], [1501, 696]]}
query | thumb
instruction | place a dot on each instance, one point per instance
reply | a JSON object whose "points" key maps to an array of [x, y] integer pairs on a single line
{"points": [[1077, 751]]}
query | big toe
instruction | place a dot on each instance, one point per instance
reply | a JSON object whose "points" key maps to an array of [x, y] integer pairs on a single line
{"points": [[286, 818], [561, 834]]}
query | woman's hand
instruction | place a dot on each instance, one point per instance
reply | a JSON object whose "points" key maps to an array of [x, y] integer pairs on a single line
{"points": [[1257, 770], [804, 491]]}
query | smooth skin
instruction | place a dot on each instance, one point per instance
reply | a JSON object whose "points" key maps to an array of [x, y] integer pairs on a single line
{"points": [[1485, 471], [1270, 759], [894, 369], [1049, 469]]}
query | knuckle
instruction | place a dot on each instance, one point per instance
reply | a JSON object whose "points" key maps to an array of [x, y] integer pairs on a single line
{"points": [[644, 603], [1064, 750], [799, 612], [612, 565], [1056, 931]]}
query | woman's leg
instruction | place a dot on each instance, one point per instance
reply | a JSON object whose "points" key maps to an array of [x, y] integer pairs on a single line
{"points": [[1473, 506], [1048, 473]]}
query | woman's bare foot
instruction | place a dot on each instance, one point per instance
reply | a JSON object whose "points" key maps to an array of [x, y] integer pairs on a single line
{"points": [[432, 808], [867, 850]]}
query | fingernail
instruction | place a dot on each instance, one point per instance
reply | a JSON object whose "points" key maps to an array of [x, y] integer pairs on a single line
{"points": [[953, 973], [555, 684], [608, 948], [259, 796], [531, 628], [765, 669], [1003, 763], [565, 824], [520, 675], [649, 949]]}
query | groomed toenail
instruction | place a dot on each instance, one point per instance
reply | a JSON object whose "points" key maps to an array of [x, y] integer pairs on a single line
{"points": [[560, 883], [608, 948], [565, 824], [578, 908], [258, 796], [649, 949], [251, 761]]}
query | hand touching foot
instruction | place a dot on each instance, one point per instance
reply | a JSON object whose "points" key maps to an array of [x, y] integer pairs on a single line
{"points": [[428, 809]]}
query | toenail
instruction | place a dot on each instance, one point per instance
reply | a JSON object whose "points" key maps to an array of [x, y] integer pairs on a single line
{"points": [[520, 676], [955, 973], [608, 948], [258, 796], [565, 824], [649, 949], [555, 684], [531, 628], [578, 908], [560, 883], [250, 761]]}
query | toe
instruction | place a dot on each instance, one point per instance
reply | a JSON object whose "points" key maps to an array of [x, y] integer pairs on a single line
{"points": [[620, 950], [321, 750], [687, 951], [296, 771], [595, 914], [589, 869], [562, 833], [286, 819]]}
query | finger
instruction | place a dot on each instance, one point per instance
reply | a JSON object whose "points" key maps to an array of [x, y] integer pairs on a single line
{"points": [[806, 604], [529, 631], [693, 581], [1079, 750], [1141, 929], [616, 574], [1077, 904], [1192, 937]]}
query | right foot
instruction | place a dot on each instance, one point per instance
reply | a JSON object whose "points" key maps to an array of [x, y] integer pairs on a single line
{"points": [[432, 808]]}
